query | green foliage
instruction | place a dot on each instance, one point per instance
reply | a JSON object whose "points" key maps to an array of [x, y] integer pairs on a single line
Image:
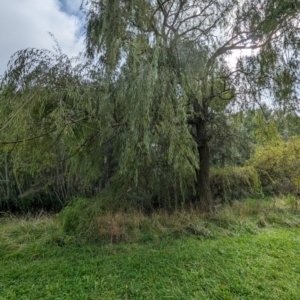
{"points": [[77, 216], [231, 183], [291, 201], [116, 148], [267, 133], [278, 165]]}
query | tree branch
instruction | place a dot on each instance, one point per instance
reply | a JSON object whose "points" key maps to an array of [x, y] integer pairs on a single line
{"points": [[27, 139]]}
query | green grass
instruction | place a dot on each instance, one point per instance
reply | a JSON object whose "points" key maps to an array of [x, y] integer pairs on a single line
{"points": [[239, 259]]}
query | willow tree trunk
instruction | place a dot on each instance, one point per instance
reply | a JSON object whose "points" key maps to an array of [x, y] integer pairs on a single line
{"points": [[203, 183]]}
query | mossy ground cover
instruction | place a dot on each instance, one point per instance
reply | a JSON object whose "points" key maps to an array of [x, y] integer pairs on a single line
{"points": [[255, 258]]}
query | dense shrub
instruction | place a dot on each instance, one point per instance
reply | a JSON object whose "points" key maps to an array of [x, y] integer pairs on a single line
{"points": [[278, 166], [235, 183]]}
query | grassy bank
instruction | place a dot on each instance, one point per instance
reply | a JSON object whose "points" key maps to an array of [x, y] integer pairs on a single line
{"points": [[248, 251]]}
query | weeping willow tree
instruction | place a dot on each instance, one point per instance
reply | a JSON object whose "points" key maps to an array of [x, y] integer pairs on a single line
{"points": [[42, 101], [167, 60], [141, 109]]}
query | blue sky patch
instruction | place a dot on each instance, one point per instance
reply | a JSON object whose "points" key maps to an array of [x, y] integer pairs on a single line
{"points": [[71, 7]]}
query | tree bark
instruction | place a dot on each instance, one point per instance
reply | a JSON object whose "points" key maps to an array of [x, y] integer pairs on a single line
{"points": [[203, 183]]}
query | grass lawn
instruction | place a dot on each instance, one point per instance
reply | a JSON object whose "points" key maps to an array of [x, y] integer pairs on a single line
{"points": [[37, 263]]}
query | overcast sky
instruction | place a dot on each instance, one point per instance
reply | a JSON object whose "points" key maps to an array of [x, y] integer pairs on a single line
{"points": [[26, 23]]}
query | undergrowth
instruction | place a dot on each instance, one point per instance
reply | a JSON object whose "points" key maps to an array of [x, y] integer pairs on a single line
{"points": [[87, 220]]}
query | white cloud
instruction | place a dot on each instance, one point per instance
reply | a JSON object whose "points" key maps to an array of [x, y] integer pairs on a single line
{"points": [[26, 23]]}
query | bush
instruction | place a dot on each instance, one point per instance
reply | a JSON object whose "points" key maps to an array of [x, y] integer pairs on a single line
{"points": [[278, 166], [235, 183], [80, 216]]}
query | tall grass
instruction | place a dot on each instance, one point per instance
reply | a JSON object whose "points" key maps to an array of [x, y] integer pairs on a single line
{"points": [[89, 221], [246, 251]]}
